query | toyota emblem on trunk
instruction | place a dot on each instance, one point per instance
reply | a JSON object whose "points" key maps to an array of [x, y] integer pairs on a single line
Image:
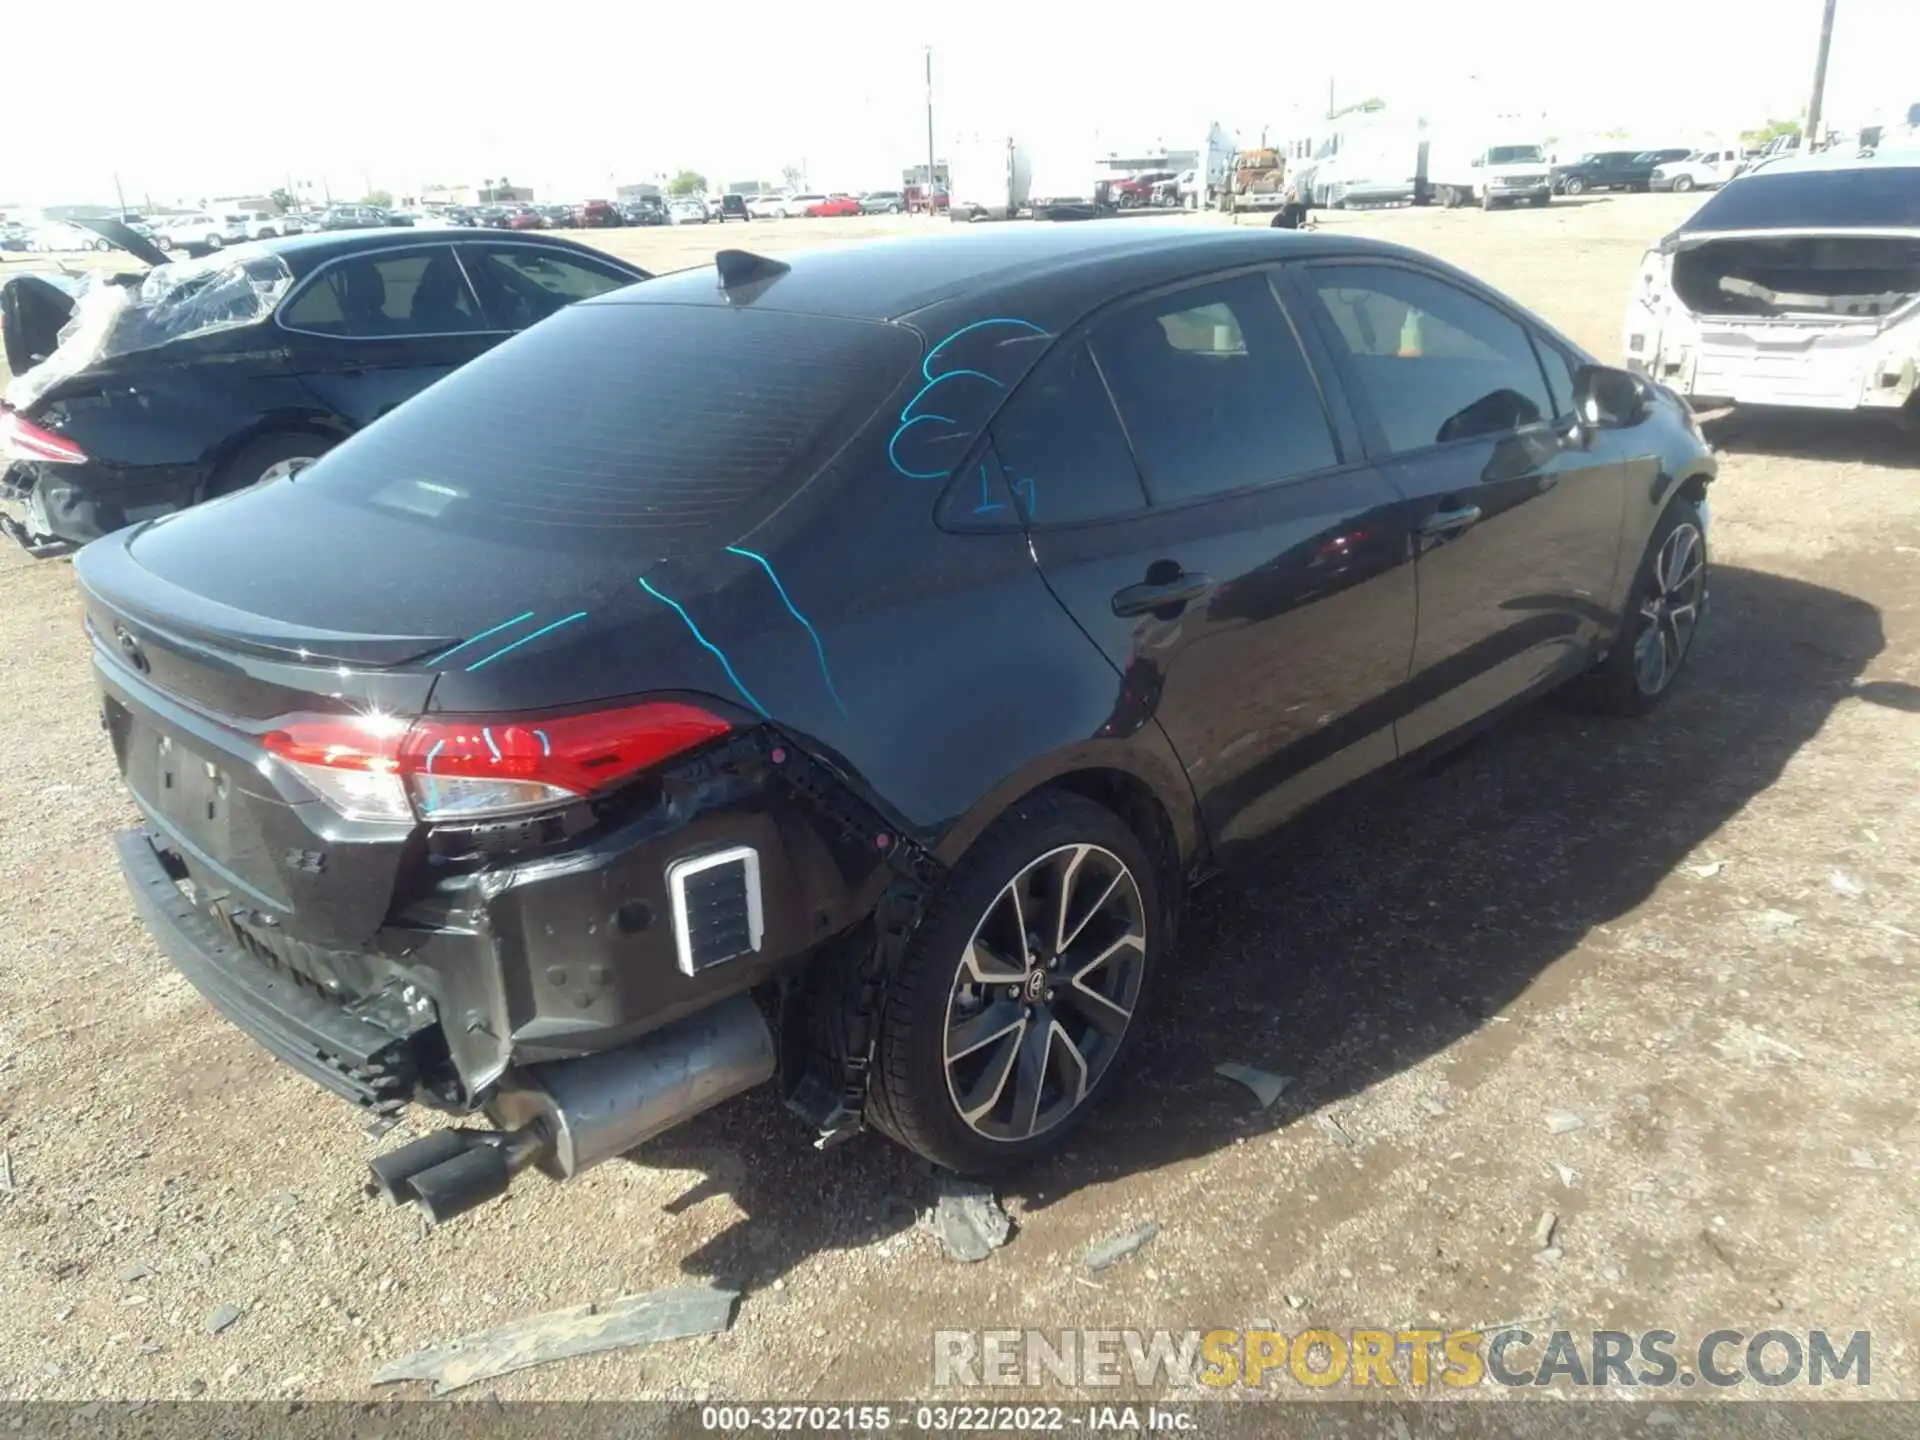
{"points": [[130, 647]]}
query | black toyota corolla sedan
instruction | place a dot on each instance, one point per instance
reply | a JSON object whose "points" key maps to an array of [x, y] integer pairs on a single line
{"points": [[203, 376], [838, 671]]}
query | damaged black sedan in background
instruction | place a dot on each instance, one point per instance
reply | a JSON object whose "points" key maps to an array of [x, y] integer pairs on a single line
{"points": [[839, 669], [137, 395]]}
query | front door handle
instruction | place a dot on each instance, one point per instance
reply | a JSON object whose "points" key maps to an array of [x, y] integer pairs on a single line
{"points": [[1444, 523], [1153, 596]]}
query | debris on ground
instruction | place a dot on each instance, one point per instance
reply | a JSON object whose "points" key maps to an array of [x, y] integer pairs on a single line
{"points": [[1543, 1229], [1862, 1159], [1708, 870], [1776, 919], [1296, 1302], [970, 1221], [6, 1171], [134, 1274], [1566, 1173], [1563, 1122], [222, 1317], [1334, 1132], [1845, 883], [1115, 1248], [1267, 1087], [589, 1329]]}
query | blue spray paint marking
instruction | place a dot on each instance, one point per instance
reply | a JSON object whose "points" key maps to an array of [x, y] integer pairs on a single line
{"points": [[476, 639], [438, 745], [717, 653], [546, 748], [526, 640], [486, 734], [926, 365], [908, 417], [987, 504], [1028, 488], [915, 474], [794, 610]]}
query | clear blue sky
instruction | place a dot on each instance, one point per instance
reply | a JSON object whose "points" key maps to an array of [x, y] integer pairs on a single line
{"points": [[396, 93]]}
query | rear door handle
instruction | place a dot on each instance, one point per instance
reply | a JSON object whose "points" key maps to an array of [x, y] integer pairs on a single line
{"points": [[1150, 596], [1443, 523]]}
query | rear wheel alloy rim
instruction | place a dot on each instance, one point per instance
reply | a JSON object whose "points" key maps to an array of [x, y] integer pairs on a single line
{"points": [[1044, 993], [1671, 611]]}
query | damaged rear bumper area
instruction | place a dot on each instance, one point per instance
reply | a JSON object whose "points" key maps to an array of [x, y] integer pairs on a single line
{"points": [[1825, 323], [570, 1004]]}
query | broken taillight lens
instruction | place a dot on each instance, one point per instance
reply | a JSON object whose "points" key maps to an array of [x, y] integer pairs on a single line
{"points": [[21, 439], [454, 768]]}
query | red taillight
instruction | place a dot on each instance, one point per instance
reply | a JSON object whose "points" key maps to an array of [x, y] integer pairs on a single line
{"points": [[475, 767], [21, 439]]}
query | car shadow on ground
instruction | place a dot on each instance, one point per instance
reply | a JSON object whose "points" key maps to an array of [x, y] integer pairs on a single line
{"points": [[1368, 937], [1844, 438]]}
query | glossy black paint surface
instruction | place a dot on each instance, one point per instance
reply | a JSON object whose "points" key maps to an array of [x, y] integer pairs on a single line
{"points": [[932, 641], [159, 425]]}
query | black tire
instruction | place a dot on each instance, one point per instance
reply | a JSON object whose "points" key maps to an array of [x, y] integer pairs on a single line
{"points": [[912, 1099], [1682, 184], [1575, 185], [250, 463], [1618, 684]]}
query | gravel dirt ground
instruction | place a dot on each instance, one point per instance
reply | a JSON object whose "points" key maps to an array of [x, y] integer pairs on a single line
{"points": [[1697, 934]]}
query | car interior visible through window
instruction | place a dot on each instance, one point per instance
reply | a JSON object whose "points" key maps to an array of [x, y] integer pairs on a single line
{"points": [[521, 284], [1213, 390], [420, 292], [1433, 363], [1064, 454]]}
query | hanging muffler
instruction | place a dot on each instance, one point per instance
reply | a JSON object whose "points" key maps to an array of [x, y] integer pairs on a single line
{"points": [[567, 1116]]}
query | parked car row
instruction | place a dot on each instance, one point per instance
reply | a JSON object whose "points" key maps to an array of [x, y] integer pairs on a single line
{"points": [[502, 732], [1613, 170]]}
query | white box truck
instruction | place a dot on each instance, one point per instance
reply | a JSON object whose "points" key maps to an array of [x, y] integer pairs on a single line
{"points": [[988, 178], [1488, 168]]}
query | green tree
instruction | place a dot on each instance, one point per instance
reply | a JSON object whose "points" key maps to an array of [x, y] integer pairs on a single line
{"points": [[1373, 105], [794, 178], [1772, 130], [687, 182], [376, 197], [282, 199]]}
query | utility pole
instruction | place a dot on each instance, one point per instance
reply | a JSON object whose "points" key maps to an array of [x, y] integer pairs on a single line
{"points": [[930, 173], [120, 194], [1818, 100]]}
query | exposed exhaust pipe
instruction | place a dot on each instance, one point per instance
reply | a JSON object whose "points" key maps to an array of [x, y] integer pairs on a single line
{"points": [[570, 1115]]}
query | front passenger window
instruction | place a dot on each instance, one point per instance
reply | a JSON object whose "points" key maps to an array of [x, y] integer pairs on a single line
{"points": [[1433, 363]]}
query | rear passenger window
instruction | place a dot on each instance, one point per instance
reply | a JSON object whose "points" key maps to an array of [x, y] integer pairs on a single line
{"points": [[1214, 390], [1433, 363], [1061, 447], [523, 283], [419, 292]]}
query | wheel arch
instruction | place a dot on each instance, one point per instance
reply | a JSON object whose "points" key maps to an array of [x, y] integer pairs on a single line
{"points": [[1149, 793], [223, 454]]}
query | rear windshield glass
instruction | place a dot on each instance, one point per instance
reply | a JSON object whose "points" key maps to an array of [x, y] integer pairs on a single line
{"points": [[1872, 197], [617, 428]]}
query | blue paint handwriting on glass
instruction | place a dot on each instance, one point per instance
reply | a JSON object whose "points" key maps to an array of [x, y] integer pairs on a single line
{"points": [[1026, 490], [913, 417]]}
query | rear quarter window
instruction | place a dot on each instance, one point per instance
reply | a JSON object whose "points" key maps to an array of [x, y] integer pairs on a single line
{"points": [[623, 428]]}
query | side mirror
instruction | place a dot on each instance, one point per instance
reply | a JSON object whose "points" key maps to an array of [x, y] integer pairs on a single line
{"points": [[1476, 162], [1609, 399]]}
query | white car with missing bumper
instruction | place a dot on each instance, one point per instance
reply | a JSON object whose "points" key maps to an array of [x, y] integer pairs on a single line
{"points": [[1797, 285]]}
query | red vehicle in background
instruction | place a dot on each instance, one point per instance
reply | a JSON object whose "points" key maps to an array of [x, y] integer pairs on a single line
{"points": [[834, 205], [917, 199], [599, 215], [526, 218], [1139, 190]]}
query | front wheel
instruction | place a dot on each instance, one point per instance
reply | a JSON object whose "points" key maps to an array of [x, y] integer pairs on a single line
{"points": [[1021, 989], [1575, 186], [1682, 184], [1662, 618]]}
